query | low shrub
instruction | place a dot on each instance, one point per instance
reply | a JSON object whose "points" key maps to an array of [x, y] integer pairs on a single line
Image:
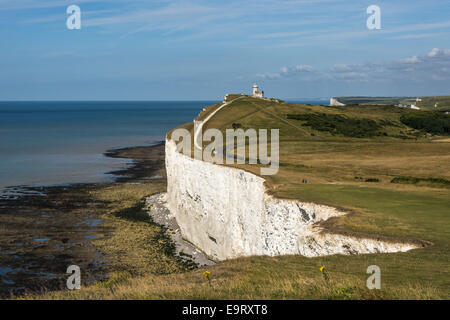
{"points": [[431, 122], [339, 124], [415, 180]]}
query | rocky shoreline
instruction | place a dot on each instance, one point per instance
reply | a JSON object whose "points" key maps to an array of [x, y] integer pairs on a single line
{"points": [[46, 229]]}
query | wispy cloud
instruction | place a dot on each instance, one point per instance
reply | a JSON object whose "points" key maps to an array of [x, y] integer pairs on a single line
{"points": [[174, 12], [341, 33], [419, 35], [38, 4], [59, 17], [190, 15], [303, 71]]}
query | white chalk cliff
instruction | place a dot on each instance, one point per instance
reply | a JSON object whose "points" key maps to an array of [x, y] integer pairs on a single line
{"points": [[227, 213], [334, 102]]}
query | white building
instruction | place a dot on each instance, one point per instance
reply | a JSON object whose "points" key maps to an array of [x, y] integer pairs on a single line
{"points": [[256, 93]]}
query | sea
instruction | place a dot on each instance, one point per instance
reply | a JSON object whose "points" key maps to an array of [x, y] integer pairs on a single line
{"points": [[54, 143]]}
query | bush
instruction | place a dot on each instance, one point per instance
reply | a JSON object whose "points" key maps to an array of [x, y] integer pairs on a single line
{"points": [[414, 180], [339, 124], [431, 122]]}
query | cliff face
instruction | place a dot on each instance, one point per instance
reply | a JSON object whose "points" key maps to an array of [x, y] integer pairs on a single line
{"points": [[335, 103], [226, 213]]}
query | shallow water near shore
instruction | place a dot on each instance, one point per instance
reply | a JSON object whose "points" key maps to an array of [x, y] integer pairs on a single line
{"points": [[41, 236]]}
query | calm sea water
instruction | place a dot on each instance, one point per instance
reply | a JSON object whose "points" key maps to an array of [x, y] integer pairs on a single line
{"points": [[46, 143]]}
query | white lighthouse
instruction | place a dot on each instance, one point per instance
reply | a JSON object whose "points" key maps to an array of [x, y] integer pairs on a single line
{"points": [[256, 93]]}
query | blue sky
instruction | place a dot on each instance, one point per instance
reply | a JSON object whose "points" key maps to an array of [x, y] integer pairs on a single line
{"points": [[153, 50]]}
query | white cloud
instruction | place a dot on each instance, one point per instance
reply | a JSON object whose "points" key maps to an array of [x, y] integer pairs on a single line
{"points": [[303, 71], [419, 68], [432, 66], [413, 59], [439, 52]]}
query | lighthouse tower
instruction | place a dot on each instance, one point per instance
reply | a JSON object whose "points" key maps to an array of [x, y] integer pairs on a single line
{"points": [[256, 93]]}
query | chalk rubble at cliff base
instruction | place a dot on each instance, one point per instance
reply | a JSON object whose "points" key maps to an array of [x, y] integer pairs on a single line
{"points": [[160, 214]]}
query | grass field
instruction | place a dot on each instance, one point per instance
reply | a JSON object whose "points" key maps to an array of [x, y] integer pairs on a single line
{"points": [[353, 173]]}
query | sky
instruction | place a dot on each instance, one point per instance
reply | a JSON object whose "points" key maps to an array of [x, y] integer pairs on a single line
{"points": [[201, 50]]}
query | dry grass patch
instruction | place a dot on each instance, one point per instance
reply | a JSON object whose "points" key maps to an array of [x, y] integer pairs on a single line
{"points": [[137, 245]]}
